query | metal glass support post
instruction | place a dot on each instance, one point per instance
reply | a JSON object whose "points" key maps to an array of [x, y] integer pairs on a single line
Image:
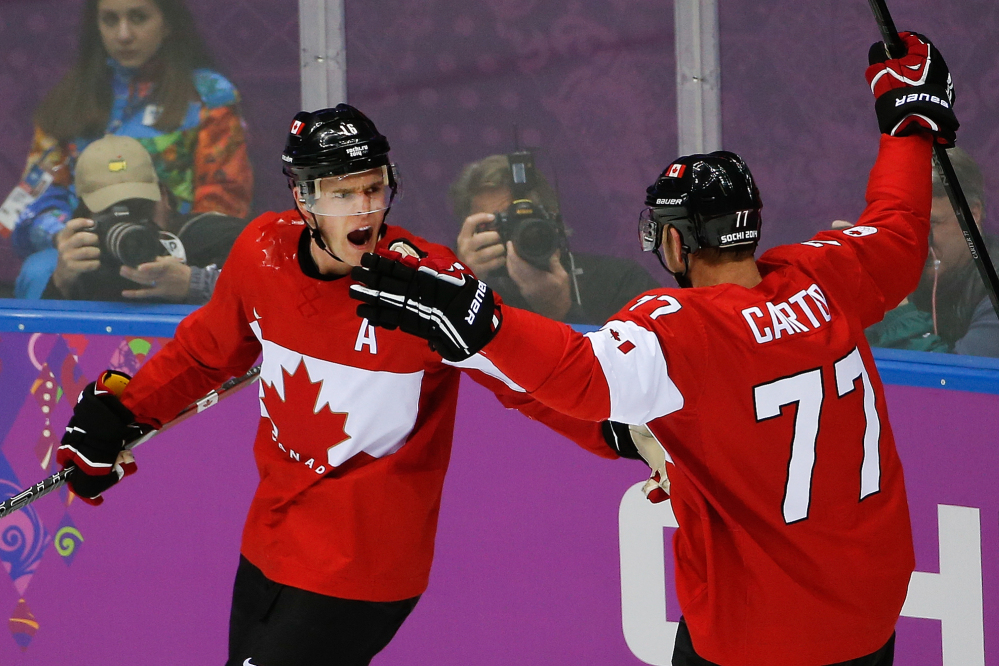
{"points": [[698, 76], [323, 35]]}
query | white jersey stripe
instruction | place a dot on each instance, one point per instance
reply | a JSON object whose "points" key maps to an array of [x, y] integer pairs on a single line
{"points": [[362, 395], [633, 364]]}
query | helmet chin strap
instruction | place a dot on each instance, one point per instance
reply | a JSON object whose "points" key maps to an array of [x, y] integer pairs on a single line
{"points": [[318, 238]]}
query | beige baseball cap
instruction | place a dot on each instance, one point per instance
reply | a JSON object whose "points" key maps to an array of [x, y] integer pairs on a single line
{"points": [[114, 169]]}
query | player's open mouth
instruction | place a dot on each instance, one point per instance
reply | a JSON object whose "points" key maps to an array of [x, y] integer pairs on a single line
{"points": [[360, 237]]}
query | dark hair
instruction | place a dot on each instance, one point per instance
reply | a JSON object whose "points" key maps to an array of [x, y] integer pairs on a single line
{"points": [[968, 174], [493, 173], [80, 104]]}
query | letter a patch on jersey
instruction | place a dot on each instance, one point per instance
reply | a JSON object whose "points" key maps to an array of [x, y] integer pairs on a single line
{"points": [[366, 338]]}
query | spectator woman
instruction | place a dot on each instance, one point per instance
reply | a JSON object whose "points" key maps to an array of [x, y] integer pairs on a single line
{"points": [[142, 71]]}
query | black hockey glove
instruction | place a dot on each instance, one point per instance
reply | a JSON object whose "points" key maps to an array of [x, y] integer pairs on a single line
{"points": [[913, 92], [443, 304], [96, 436], [89, 488]]}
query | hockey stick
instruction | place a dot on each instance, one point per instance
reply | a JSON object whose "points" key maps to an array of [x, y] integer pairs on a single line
{"points": [[57, 480], [972, 235]]}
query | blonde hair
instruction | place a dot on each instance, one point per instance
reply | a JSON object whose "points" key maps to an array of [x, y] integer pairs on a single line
{"points": [[493, 173]]}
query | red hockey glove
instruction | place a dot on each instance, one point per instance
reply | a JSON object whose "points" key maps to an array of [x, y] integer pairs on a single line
{"points": [[96, 436], [441, 302], [913, 92]]}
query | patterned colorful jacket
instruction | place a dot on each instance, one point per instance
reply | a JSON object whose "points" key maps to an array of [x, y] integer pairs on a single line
{"points": [[204, 162]]}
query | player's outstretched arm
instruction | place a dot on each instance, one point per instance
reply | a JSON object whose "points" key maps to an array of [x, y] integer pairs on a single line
{"points": [[882, 256], [617, 373], [914, 98], [459, 315]]}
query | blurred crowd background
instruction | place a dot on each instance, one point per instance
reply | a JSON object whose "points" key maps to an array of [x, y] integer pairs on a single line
{"points": [[591, 87]]}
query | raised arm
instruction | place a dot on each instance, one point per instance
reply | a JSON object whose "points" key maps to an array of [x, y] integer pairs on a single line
{"points": [[880, 259]]}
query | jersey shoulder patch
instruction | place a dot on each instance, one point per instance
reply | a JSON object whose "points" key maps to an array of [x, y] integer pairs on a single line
{"points": [[214, 89]]}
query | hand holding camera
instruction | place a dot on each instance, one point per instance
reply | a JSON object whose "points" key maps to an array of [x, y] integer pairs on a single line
{"points": [[525, 240], [546, 290], [167, 278], [122, 237], [79, 253], [479, 246]]}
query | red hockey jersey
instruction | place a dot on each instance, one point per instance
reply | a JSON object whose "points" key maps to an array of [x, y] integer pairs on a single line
{"points": [[794, 547], [356, 422]]}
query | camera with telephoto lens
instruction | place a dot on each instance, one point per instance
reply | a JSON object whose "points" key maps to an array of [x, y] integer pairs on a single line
{"points": [[536, 235], [128, 234]]}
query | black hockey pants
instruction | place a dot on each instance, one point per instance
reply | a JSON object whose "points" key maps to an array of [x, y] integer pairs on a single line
{"points": [[277, 625]]}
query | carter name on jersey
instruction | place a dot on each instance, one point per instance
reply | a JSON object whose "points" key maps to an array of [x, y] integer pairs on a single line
{"points": [[783, 318]]}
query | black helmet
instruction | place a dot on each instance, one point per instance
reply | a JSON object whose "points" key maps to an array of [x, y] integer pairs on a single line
{"points": [[333, 142], [711, 200]]}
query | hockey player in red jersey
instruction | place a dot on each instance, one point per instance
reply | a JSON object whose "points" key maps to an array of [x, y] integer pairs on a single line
{"points": [[756, 381], [355, 433]]}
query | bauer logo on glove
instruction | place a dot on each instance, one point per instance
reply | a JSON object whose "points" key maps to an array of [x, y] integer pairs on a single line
{"points": [[441, 302], [914, 92]]}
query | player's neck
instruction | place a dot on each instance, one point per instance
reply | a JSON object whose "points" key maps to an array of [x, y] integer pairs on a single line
{"points": [[708, 274], [326, 264]]}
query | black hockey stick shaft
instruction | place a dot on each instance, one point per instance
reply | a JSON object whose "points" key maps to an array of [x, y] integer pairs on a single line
{"points": [[57, 480], [972, 235]]}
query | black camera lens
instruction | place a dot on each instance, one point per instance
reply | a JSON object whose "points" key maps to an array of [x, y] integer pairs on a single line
{"points": [[132, 244], [127, 233], [535, 234], [535, 241]]}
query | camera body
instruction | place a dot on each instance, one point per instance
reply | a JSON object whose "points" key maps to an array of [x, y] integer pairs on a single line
{"points": [[535, 233], [128, 236]]}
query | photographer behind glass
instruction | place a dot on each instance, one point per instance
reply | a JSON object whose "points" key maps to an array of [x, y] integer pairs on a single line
{"points": [[126, 243], [513, 237]]}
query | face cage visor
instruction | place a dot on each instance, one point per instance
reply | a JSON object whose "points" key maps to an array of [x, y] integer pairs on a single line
{"points": [[360, 193], [651, 225], [650, 233]]}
